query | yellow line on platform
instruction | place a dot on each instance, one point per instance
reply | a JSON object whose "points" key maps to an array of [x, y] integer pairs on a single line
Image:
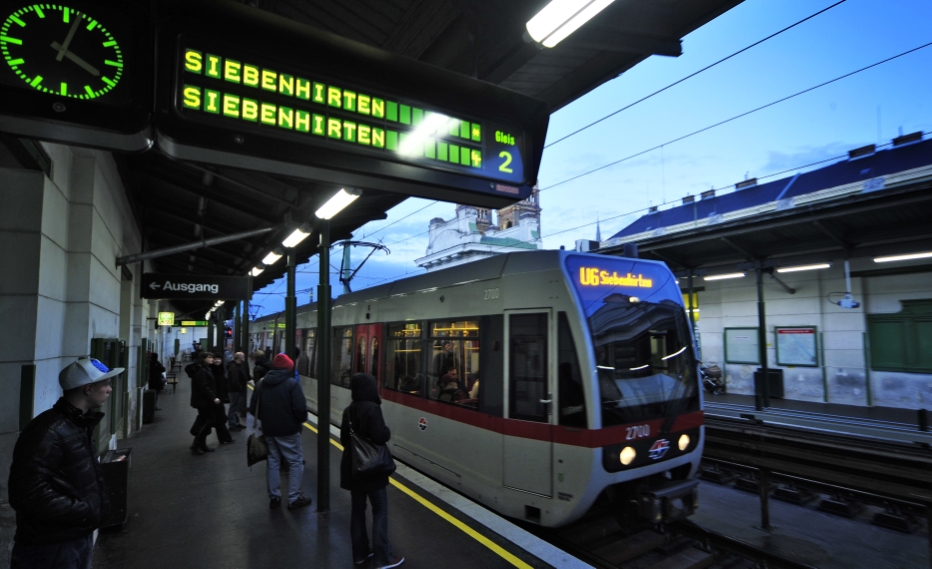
{"points": [[500, 551]]}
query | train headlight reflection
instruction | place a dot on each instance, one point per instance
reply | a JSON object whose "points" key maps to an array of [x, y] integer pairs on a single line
{"points": [[683, 442], [627, 455]]}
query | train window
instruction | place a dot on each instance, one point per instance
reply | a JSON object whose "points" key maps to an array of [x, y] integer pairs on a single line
{"points": [[644, 361], [374, 353], [403, 360], [527, 355], [342, 363], [572, 395], [310, 352], [361, 345], [454, 364]]}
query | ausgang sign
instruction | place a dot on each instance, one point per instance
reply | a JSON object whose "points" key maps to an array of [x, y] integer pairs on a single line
{"points": [[259, 91], [159, 285]]}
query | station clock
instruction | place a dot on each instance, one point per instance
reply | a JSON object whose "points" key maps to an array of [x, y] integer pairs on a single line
{"points": [[60, 50]]}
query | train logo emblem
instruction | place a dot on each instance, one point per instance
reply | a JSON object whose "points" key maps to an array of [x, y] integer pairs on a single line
{"points": [[422, 424], [659, 448]]}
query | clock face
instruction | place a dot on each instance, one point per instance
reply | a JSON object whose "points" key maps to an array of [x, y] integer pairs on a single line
{"points": [[61, 51]]}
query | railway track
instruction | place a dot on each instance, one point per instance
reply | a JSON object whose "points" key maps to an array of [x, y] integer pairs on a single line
{"points": [[600, 541]]}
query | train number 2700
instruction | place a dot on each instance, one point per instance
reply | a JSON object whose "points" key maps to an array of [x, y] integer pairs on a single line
{"points": [[490, 294], [638, 431]]}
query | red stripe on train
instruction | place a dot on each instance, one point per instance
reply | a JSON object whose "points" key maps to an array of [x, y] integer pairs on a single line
{"points": [[572, 436]]}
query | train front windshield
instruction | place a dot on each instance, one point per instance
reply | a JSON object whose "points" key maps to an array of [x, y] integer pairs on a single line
{"points": [[643, 348]]}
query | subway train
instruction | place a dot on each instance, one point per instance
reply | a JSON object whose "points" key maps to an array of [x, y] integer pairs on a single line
{"points": [[540, 384]]}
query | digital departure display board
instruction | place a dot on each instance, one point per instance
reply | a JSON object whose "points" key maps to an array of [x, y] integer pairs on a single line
{"points": [[81, 72], [257, 91]]}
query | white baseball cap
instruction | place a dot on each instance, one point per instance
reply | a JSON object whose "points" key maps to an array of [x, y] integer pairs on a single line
{"points": [[84, 371]]}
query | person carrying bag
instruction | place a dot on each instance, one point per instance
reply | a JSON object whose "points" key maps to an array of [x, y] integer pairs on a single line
{"points": [[364, 434]]}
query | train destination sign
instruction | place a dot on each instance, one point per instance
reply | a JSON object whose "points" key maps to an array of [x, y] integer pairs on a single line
{"points": [[194, 323], [159, 285], [262, 92]]}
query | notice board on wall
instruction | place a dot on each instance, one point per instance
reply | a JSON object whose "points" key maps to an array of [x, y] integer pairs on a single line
{"points": [[741, 346], [797, 346]]}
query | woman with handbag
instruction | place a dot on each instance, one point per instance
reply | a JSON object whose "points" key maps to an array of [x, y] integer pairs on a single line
{"points": [[363, 422]]}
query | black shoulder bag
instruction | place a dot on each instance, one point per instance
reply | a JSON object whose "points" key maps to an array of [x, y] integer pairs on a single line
{"points": [[257, 449], [369, 459]]}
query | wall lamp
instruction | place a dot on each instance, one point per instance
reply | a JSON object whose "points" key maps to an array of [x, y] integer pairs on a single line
{"points": [[723, 277], [337, 203], [803, 268], [560, 18], [909, 257]]}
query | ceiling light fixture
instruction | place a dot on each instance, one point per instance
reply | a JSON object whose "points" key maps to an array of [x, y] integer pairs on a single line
{"points": [[909, 257], [297, 236], [560, 18], [803, 268], [723, 277], [256, 271], [271, 258], [337, 203]]}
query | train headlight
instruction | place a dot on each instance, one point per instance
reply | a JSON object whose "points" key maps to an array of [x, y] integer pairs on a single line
{"points": [[684, 442], [627, 455]]}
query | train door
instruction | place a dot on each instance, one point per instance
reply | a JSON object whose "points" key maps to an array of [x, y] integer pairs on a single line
{"points": [[368, 346], [528, 440]]}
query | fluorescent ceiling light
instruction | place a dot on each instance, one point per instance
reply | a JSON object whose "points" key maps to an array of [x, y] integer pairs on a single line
{"points": [[292, 240], [256, 271], [683, 349], [803, 268], [336, 204], [560, 18], [271, 258], [903, 257], [723, 277], [433, 124]]}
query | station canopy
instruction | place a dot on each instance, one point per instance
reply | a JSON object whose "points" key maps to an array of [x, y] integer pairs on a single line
{"points": [[178, 199]]}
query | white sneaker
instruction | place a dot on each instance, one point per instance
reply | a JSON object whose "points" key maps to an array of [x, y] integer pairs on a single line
{"points": [[395, 562]]}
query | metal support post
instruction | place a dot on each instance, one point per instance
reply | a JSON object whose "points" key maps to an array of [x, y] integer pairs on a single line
{"points": [[764, 393], [324, 338], [236, 331], [290, 306], [764, 481]]}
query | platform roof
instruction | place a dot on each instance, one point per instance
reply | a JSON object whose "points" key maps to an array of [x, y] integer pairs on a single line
{"points": [[875, 204], [179, 202]]}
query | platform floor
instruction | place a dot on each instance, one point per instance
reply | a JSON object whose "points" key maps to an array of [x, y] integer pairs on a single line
{"points": [[212, 511]]}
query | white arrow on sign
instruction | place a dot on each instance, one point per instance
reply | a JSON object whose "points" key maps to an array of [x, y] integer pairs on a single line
{"points": [[154, 286]]}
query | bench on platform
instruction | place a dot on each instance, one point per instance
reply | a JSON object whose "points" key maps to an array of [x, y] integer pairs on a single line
{"points": [[172, 378]]}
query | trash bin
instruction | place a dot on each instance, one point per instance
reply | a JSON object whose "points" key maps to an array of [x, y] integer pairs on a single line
{"points": [[115, 465], [774, 382]]}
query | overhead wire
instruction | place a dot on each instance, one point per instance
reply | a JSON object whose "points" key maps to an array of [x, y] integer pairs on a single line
{"points": [[691, 75], [736, 117]]}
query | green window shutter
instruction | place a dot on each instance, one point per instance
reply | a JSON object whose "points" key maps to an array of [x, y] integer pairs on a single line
{"points": [[888, 346]]}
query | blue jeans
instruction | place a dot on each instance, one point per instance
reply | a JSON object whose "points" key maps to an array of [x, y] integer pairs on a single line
{"points": [[236, 398], [381, 548], [289, 448], [73, 554]]}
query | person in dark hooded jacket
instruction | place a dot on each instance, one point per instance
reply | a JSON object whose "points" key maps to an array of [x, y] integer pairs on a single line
{"points": [[209, 407], [280, 404], [365, 415]]}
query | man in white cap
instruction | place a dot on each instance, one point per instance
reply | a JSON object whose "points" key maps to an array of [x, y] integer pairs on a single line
{"points": [[56, 484]]}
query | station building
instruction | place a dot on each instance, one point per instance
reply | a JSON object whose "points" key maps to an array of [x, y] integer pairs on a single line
{"points": [[867, 345]]}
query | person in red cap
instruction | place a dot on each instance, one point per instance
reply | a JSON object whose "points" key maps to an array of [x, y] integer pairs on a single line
{"points": [[282, 409]]}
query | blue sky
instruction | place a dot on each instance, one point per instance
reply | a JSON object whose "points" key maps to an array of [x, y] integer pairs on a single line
{"points": [[869, 107]]}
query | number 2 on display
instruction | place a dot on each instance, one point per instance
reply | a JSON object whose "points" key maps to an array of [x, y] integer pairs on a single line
{"points": [[507, 156]]}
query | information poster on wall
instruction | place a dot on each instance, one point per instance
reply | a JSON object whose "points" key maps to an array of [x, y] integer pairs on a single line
{"points": [[741, 346], [797, 346]]}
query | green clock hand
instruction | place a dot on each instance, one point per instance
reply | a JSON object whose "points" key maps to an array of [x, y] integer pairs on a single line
{"points": [[83, 64], [74, 28]]}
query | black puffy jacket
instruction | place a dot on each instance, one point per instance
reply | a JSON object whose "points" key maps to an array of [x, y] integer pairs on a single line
{"points": [[365, 412], [203, 385], [282, 407], [56, 484]]}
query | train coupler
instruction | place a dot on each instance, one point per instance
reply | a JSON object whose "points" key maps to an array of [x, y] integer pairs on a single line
{"points": [[669, 501]]}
